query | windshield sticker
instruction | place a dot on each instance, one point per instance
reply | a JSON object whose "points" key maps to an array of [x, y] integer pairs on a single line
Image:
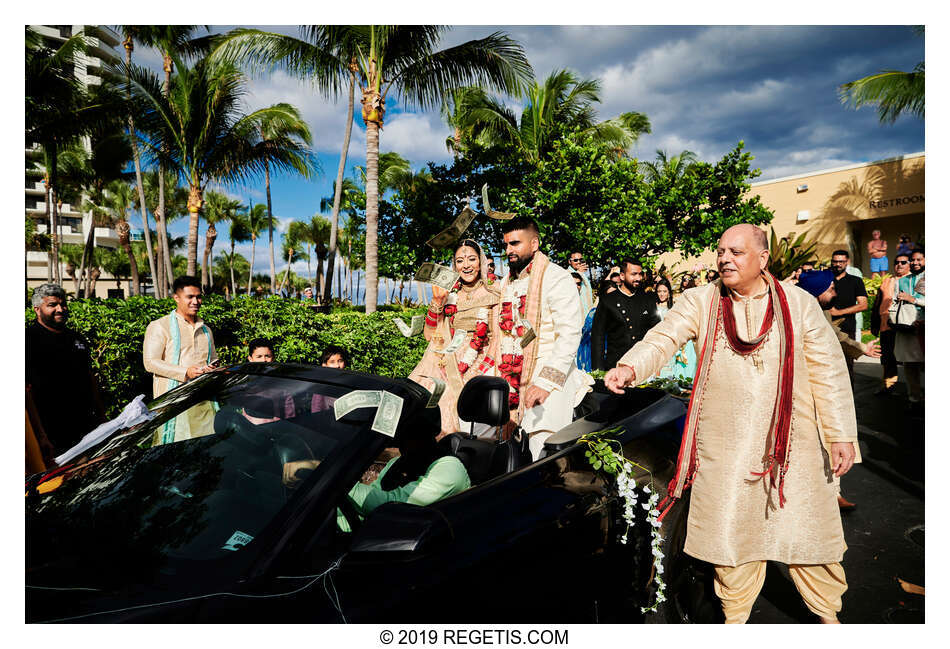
{"points": [[237, 541]]}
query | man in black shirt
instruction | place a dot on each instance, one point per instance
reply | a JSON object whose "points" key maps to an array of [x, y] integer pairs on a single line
{"points": [[850, 298], [59, 372], [622, 318], [851, 295]]}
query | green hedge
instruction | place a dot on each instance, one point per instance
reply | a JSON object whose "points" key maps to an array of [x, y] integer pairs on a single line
{"points": [[115, 330]]}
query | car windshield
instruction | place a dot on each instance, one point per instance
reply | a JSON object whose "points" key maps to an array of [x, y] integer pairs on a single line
{"points": [[194, 485]]}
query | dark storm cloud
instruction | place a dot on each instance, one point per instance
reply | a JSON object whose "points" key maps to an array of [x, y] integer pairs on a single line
{"points": [[705, 88]]}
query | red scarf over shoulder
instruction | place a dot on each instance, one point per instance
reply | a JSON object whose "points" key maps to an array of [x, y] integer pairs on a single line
{"points": [[721, 315]]}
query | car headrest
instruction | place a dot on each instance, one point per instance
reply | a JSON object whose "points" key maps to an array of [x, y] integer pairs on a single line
{"points": [[484, 400], [259, 406]]}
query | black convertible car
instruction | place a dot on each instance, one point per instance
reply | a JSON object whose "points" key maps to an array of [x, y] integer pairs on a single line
{"points": [[239, 522]]}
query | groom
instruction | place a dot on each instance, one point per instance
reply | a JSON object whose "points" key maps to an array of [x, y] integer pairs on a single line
{"points": [[544, 381]]}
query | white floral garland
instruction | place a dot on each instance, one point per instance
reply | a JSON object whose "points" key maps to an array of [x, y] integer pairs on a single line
{"points": [[604, 457]]}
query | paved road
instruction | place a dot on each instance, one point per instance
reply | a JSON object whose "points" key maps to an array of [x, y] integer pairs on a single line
{"points": [[885, 533]]}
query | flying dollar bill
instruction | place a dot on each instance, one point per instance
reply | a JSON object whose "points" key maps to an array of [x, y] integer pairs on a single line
{"points": [[457, 341], [492, 214], [528, 334], [437, 274], [454, 232], [387, 414], [410, 330], [437, 390], [356, 399]]}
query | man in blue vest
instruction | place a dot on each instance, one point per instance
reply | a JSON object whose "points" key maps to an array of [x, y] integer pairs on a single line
{"points": [[179, 347]]}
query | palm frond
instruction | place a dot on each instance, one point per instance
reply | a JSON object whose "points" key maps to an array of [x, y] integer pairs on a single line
{"points": [[892, 91], [261, 52], [495, 62]]}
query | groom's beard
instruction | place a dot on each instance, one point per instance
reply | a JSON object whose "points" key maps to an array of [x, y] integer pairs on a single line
{"points": [[520, 264]]}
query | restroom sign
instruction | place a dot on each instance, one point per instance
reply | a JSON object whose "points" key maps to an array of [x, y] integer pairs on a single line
{"points": [[896, 202]]}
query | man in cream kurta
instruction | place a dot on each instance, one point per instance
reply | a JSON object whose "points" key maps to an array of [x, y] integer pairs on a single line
{"points": [[555, 384], [175, 352], [736, 521]]}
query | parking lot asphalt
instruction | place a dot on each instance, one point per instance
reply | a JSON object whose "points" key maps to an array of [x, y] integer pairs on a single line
{"points": [[885, 532]]}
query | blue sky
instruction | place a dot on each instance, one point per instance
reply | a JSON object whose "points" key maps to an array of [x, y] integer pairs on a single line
{"points": [[703, 89]]}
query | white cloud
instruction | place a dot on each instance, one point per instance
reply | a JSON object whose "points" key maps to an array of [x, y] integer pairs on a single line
{"points": [[420, 137], [672, 144], [326, 118], [283, 223], [792, 163]]}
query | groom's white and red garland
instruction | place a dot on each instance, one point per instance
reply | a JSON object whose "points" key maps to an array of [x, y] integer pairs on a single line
{"points": [[512, 356]]}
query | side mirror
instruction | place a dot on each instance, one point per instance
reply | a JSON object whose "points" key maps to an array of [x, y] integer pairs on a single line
{"points": [[400, 527]]}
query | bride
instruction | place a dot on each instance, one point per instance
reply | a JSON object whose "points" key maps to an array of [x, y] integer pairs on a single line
{"points": [[471, 306]]}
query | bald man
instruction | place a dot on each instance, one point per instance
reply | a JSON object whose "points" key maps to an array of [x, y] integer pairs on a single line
{"points": [[770, 422]]}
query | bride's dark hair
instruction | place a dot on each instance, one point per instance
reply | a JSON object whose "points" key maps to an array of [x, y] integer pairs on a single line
{"points": [[468, 243]]}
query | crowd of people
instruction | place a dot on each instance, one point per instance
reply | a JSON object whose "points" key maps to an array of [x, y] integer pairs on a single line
{"points": [[771, 416]]}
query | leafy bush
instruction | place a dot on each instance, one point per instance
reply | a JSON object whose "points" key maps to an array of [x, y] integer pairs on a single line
{"points": [[115, 330], [785, 256], [872, 286]]}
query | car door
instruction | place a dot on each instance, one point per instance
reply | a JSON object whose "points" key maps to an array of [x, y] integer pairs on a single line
{"points": [[521, 547]]}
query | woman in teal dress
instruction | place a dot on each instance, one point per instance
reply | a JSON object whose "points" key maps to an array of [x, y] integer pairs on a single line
{"points": [[683, 363]]}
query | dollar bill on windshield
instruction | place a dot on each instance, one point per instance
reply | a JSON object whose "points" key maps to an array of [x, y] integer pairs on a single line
{"points": [[454, 232], [387, 414], [492, 214], [528, 334], [410, 330], [437, 390], [430, 273], [355, 399], [457, 341]]}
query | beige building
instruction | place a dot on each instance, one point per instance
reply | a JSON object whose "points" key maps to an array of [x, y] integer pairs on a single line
{"points": [[840, 207]]}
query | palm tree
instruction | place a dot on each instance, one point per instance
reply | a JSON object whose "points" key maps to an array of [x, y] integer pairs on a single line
{"points": [[668, 167], [352, 203], [171, 41], [200, 129], [291, 247], [119, 199], [316, 233], [312, 58], [406, 58], [174, 201], [387, 57], [128, 42], [218, 208], [562, 104], [232, 263], [60, 111], [116, 263], [238, 233], [70, 254], [256, 221], [86, 174], [893, 92], [283, 127]]}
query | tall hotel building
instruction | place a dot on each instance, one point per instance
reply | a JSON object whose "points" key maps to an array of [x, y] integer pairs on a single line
{"points": [[101, 43]]}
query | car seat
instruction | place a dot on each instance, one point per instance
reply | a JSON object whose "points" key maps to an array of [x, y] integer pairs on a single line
{"points": [[484, 400]]}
